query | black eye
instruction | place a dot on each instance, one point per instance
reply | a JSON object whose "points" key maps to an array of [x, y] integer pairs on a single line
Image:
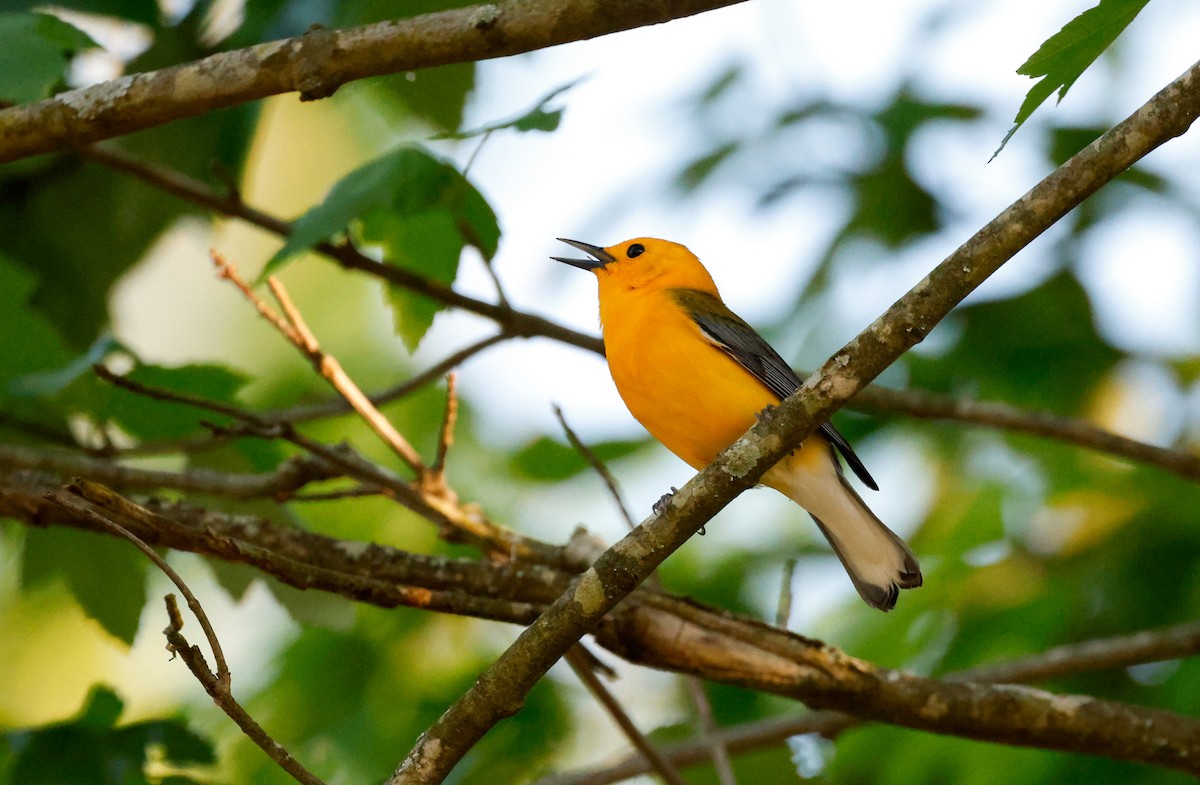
{"points": [[635, 250]]}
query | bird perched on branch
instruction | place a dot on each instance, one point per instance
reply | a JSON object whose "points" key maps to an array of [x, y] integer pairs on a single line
{"points": [[696, 375]]}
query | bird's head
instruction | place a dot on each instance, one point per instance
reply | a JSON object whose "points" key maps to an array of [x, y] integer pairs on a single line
{"points": [[642, 263]]}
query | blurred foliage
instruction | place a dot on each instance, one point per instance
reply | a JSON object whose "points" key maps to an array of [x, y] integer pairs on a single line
{"points": [[1026, 544], [34, 52], [91, 750]]}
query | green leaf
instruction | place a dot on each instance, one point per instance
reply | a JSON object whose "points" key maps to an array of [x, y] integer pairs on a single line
{"points": [[547, 460], [106, 575], [1064, 56], [35, 50], [419, 209], [56, 380], [437, 95], [429, 242]]}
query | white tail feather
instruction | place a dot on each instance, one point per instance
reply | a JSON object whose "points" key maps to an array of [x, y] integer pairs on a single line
{"points": [[878, 562]]}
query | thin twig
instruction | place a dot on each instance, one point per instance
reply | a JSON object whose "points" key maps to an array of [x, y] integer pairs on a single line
{"points": [[456, 522], [598, 465], [298, 414], [293, 327], [446, 435], [217, 685], [514, 323], [783, 613], [582, 667], [1000, 416], [717, 749], [357, 492], [76, 490], [224, 699], [282, 482]]}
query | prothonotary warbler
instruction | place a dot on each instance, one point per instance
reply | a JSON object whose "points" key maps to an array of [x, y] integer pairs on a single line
{"points": [[695, 375]]}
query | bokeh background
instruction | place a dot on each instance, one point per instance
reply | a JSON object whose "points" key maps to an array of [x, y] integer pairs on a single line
{"points": [[820, 158]]}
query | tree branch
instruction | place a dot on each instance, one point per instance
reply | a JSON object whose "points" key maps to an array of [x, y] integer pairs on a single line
{"points": [[660, 630], [456, 522], [999, 416], [1121, 651], [317, 63], [501, 689], [517, 324], [290, 476], [873, 398]]}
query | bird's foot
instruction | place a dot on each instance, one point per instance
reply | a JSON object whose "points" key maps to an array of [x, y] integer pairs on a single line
{"points": [[765, 414], [661, 505]]}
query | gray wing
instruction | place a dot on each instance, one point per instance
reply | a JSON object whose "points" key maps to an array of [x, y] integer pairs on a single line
{"points": [[739, 340]]}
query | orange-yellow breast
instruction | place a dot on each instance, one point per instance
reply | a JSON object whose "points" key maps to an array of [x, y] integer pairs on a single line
{"points": [[688, 393]]}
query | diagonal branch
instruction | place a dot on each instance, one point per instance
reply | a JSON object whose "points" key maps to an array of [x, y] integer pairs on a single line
{"points": [[501, 689], [581, 662], [317, 63]]}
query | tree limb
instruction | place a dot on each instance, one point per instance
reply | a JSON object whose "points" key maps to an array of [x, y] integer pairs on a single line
{"points": [[317, 63], [662, 631], [290, 476], [999, 416], [1120, 651]]}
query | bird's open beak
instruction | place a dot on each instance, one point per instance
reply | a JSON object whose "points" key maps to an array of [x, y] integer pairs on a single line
{"points": [[600, 257]]}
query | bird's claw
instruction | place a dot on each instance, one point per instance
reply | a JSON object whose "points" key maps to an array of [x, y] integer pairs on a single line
{"points": [[661, 505], [765, 413]]}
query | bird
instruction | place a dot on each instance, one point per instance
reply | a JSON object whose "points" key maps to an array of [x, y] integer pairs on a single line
{"points": [[696, 376]]}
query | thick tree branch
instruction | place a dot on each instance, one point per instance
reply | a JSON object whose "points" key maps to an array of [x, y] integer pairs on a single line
{"points": [[1121, 651], [656, 629], [317, 63], [501, 689], [370, 573], [290, 476]]}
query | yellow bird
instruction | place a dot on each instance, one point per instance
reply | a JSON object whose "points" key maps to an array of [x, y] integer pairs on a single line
{"points": [[696, 375]]}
